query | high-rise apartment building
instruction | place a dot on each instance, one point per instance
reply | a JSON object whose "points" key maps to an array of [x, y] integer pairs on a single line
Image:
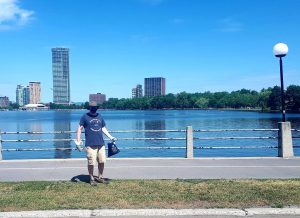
{"points": [[137, 92], [61, 75], [20, 95], [26, 95], [34, 92], [98, 98], [23, 94], [155, 86]]}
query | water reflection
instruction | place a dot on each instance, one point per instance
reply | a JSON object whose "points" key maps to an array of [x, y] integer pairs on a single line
{"points": [[62, 123], [155, 125], [30, 125], [139, 125]]}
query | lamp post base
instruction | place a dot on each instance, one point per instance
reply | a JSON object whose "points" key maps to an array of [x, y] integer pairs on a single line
{"points": [[285, 142]]}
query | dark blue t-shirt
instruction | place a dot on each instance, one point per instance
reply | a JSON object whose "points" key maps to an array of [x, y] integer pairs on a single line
{"points": [[93, 124]]}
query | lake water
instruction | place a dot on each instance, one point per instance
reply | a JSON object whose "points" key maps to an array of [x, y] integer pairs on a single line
{"points": [[141, 120]]}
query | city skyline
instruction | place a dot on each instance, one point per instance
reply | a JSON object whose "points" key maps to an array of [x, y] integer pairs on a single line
{"points": [[198, 46]]}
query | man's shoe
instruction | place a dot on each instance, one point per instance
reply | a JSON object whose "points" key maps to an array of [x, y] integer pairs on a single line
{"points": [[93, 182], [101, 180]]}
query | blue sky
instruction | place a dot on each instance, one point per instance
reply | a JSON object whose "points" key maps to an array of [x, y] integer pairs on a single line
{"points": [[197, 45]]}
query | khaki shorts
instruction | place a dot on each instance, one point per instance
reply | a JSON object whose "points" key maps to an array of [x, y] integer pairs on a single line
{"points": [[95, 155]]}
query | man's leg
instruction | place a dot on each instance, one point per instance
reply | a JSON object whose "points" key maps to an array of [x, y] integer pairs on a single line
{"points": [[91, 157], [101, 162], [100, 170], [91, 171]]}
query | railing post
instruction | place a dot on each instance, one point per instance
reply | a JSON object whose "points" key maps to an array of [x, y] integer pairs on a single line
{"points": [[285, 142], [189, 142], [0, 145]]}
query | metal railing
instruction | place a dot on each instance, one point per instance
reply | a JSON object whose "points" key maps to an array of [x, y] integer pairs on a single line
{"points": [[189, 138]]}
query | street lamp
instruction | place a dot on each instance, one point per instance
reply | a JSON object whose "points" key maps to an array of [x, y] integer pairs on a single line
{"points": [[280, 50]]}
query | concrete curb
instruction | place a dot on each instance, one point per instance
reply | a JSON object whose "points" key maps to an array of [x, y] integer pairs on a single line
{"points": [[275, 211], [153, 212]]}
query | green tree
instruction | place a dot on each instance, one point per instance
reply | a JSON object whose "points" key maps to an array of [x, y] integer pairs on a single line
{"points": [[14, 106], [202, 103], [263, 98], [170, 101], [182, 100], [293, 97], [274, 101]]}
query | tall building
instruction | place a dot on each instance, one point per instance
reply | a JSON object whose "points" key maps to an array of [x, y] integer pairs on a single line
{"points": [[23, 95], [20, 95], [26, 95], [137, 92], [61, 75], [34, 92], [155, 86], [4, 102], [99, 98]]}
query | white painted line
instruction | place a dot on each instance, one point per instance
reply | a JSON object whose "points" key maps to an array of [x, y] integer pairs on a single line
{"points": [[128, 167], [154, 158]]}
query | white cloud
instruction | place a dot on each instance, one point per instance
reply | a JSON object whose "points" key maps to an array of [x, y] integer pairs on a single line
{"points": [[230, 25], [12, 16]]}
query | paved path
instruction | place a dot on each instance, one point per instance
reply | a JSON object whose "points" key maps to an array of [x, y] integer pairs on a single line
{"points": [[153, 168]]}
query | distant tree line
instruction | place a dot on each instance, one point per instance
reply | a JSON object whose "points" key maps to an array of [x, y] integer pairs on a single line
{"points": [[266, 100]]}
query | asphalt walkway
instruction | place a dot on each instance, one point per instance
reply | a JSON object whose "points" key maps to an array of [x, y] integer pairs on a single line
{"points": [[153, 168]]}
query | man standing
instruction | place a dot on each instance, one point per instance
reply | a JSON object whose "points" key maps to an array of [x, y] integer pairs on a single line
{"points": [[94, 126]]}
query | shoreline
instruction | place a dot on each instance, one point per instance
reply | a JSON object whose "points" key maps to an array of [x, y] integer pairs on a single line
{"points": [[166, 109]]}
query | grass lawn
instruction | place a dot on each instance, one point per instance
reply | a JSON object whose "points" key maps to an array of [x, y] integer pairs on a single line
{"points": [[19, 196]]}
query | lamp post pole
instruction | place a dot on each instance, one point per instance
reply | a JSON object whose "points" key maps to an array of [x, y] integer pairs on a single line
{"points": [[282, 91]]}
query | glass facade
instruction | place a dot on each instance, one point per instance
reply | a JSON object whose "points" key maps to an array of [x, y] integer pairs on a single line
{"points": [[61, 75], [22, 95], [26, 95]]}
